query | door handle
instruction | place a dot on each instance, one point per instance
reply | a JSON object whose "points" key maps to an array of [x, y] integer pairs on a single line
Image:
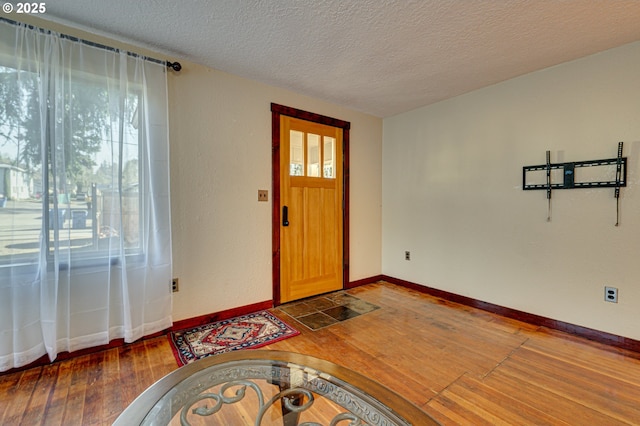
{"points": [[285, 216]]}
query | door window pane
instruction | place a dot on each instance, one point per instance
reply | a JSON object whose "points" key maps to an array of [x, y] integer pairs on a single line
{"points": [[328, 165], [313, 152], [296, 153]]}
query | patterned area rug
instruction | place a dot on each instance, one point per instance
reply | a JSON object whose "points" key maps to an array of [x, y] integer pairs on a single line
{"points": [[244, 332]]}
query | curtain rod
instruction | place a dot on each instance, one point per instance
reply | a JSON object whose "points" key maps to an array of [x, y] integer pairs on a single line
{"points": [[173, 65]]}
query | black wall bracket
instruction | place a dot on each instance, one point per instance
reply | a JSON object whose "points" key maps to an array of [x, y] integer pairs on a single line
{"points": [[569, 179], [568, 173]]}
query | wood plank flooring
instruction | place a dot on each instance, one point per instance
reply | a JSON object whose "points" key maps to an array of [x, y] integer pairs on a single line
{"points": [[461, 365]]}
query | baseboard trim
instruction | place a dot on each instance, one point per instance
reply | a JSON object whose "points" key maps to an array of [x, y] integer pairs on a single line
{"points": [[222, 315], [364, 281], [577, 330]]}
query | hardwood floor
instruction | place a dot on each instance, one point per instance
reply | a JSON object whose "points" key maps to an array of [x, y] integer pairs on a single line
{"points": [[461, 365]]}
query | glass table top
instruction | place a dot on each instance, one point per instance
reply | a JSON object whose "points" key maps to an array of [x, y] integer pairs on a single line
{"points": [[262, 387]]}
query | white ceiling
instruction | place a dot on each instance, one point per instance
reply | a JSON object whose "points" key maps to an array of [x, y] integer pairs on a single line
{"points": [[381, 57]]}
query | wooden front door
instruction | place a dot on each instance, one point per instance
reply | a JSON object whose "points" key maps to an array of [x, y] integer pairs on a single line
{"points": [[311, 206]]}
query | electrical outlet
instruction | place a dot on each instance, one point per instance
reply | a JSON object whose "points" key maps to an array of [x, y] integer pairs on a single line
{"points": [[263, 195], [175, 285], [407, 255], [611, 294]]}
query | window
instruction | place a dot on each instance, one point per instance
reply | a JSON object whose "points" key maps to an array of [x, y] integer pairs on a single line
{"points": [[82, 179], [317, 153]]}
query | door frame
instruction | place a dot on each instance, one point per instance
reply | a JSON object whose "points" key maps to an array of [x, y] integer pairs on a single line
{"points": [[276, 111]]}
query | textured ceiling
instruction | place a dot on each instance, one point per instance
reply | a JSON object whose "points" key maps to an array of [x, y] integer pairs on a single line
{"points": [[381, 57]]}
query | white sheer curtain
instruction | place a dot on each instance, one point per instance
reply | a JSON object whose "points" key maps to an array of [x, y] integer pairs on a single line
{"points": [[85, 238]]}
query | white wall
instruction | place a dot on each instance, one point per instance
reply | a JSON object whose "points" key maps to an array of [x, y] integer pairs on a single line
{"points": [[452, 194], [220, 156]]}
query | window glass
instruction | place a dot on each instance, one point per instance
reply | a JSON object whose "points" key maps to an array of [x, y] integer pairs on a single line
{"points": [[313, 152], [296, 154], [328, 165], [75, 184]]}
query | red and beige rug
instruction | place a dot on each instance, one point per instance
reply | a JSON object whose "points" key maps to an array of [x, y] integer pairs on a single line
{"points": [[244, 332]]}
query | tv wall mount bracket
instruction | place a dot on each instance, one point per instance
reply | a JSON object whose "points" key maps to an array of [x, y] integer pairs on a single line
{"points": [[570, 181]]}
